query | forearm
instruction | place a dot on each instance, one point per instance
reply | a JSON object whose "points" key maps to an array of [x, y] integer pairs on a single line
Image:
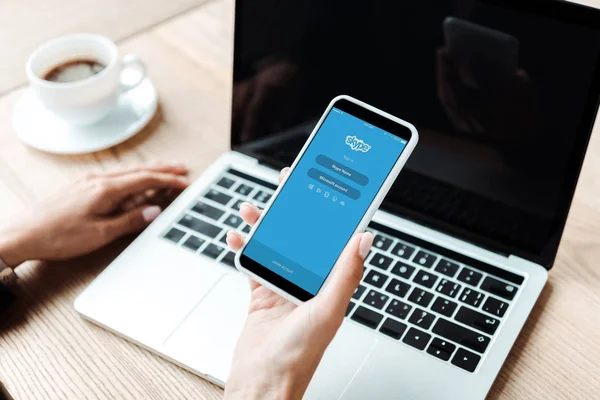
{"points": [[255, 388], [259, 381]]}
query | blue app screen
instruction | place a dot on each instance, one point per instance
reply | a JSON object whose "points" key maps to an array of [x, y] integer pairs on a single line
{"points": [[324, 199]]}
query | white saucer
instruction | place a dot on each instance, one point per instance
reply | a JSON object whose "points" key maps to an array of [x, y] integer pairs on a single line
{"points": [[41, 130]]}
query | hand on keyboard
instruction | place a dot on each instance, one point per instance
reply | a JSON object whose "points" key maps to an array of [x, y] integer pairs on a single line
{"points": [[90, 213], [281, 344]]}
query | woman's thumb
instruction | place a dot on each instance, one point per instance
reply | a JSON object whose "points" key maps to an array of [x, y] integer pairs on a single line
{"points": [[347, 273]]}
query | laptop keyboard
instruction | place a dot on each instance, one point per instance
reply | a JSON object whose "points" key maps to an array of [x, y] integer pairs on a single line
{"points": [[427, 297], [203, 227], [430, 301]]}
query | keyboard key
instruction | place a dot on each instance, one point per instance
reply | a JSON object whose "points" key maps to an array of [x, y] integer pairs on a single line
{"points": [[218, 197], [375, 278], [350, 308], [416, 338], [421, 318], [246, 229], [237, 204], [447, 267], [226, 182], [208, 211], [233, 220], [358, 292], [376, 299], [403, 250], [444, 307], [424, 259], [477, 320], [469, 276], [382, 242], [425, 278], [229, 259], [471, 297], [380, 261], [466, 360], [448, 288], [463, 336], [223, 238], [441, 349], [193, 243], [262, 197], [392, 328], [501, 289], [403, 270], [244, 190], [200, 226], [398, 288], [367, 317], [398, 309], [496, 307], [212, 251], [420, 297], [174, 235]]}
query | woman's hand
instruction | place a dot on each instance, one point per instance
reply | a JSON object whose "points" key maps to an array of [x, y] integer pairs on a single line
{"points": [[90, 213], [282, 344]]}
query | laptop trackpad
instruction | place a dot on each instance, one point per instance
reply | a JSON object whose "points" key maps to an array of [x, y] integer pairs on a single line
{"points": [[342, 360], [206, 339]]}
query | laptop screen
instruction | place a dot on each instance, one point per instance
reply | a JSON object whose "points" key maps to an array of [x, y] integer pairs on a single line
{"points": [[504, 96]]}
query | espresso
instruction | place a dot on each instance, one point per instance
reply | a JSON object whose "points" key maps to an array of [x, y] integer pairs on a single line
{"points": [[73, 71]]}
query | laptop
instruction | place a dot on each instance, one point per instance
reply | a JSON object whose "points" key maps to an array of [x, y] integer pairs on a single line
{"points": [[465, 238]]}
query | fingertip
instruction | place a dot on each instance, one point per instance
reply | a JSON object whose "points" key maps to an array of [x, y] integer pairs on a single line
{"points": [[234, 240], [283, 173], [178, 165], [366, 241], [245, 206], [249, 213], [150, 213], [175, 167], [185, 182]]}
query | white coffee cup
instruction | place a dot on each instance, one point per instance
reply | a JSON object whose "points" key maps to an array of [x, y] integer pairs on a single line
{"points": [[89, 100]]}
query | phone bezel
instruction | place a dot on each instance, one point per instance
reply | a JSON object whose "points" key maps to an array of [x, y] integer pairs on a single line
{"points": [[369, 114]]}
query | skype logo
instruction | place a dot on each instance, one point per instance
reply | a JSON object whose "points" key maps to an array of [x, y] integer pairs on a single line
{"points": [[357, 144]]}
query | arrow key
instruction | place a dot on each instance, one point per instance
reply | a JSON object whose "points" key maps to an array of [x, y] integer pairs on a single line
{"points": [[441, 349], [466, 360], [416, 338]]}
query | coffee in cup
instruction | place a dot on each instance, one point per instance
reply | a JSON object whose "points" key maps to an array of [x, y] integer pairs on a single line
{"points": [[74, 70], [78, 77]]}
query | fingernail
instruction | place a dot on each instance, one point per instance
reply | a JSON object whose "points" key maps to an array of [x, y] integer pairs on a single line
{"points": [[229, 237], [183, 180], [245, 205], [366, 241], [150, 213]]}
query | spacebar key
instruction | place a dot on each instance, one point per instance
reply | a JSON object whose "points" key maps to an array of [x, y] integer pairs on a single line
{"points": [[461, 335]]}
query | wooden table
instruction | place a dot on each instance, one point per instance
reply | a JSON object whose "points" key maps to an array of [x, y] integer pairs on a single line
{"points": [[48, 352]]}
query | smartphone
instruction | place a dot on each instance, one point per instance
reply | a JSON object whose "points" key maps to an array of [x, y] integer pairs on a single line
{"points": [[333, 188], [465, 40]]}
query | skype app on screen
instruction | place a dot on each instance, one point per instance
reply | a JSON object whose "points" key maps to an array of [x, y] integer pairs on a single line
{"points": [[324, 200]]}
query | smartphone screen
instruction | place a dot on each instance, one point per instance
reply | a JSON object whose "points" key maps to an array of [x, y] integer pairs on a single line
{"points": [[314, 216]]}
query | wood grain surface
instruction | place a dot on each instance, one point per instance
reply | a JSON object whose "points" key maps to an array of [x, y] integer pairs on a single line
{"points": [[48, 352]]}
